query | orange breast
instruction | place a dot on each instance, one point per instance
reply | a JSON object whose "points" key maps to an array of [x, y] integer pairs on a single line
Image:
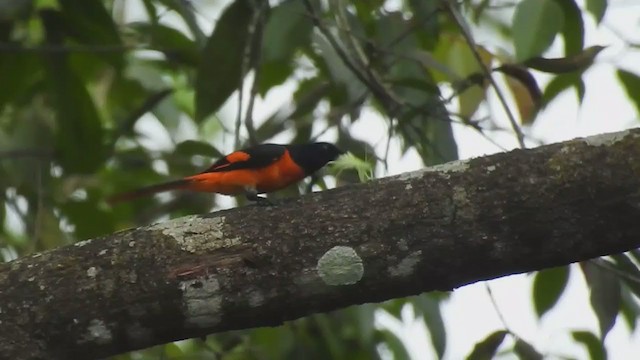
{"points": [[281, 174], [276, 176]]}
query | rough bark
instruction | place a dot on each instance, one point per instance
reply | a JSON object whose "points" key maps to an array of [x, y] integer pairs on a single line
{"points": [[439, 228]]}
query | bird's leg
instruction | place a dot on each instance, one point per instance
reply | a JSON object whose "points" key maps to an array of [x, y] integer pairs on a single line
{"points": [[252, 195]]}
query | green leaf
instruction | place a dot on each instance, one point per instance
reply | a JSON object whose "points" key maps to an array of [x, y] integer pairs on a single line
{"points": [[526, 351], [187, 11], [573, 27], [287, 29], [89, 23], [561, 83], [548, 286], [525, 90], [429, 306], [535, 25], [605, 294], [487, 348], [428, 26], [175, 45], [630, 309], [79, 132], [631, 84], [461, 60], [576, 62], [19, 72], [632, 279], [349, 161], [596, 349], [84, 215], [194, 147], [597, 8], [220, 69]]}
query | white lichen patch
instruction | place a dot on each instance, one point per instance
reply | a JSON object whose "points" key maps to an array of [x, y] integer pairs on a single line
{"points": [[408, 187], [407, 265], [132, 244], [402, 245], [341, 265], [445, 169], [103, 252], [97, 332], [491, 168], [196, 234], [450, 167], [606, 139], [83, 243], [92, 272], [202, 302], [460, 196]]}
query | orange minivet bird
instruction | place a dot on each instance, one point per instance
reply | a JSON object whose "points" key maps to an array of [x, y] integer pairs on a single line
{"points": [[256, 170]]}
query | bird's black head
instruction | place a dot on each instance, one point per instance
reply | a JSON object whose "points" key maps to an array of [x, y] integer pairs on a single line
{"points": [[312, 157]]}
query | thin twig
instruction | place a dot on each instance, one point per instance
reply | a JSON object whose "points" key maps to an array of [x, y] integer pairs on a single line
{"points": [[385, 159], [244, 69], [339, 51], [388, 101], [187, 11], [254, 63], [486, 71], [487, 287], [606, 265], [129, 121]]}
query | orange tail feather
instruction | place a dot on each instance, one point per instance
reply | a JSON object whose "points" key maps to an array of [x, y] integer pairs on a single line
{"points": [[149, 190]]}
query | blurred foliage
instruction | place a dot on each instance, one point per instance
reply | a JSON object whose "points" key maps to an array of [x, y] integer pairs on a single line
{"points": [[101, 96]]}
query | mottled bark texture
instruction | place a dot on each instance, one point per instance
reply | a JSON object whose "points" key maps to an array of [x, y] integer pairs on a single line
{"points": [[439, 228]]}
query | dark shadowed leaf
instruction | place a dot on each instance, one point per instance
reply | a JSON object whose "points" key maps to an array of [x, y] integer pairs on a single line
{"points": [[594, 346], [89, 23], [605, 294], [18, 72], [576, 62], [426, 15], [187, 11], [286, 30], [487, 348], [535, 24], [548, 286], [630, 309], [220, 69], [273, 343], [525, 91], [631, 272], [631, 84], [90, 221], [597, 8], [526, 351], [79, 132], [194, 147], [561, 83], [572, 27], [175, 45]]}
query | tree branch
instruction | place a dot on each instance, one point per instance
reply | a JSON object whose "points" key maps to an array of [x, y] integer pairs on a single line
{"points": [[435, 229]]}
